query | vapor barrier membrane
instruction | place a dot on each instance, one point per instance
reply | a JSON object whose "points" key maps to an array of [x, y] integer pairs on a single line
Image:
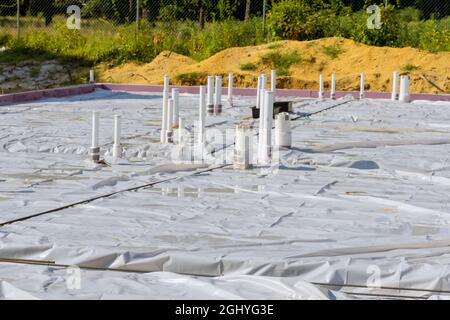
{"points": [[361, 198]]}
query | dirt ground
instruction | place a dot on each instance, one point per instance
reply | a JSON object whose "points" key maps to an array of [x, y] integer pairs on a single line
{"points": [[429, 72]]}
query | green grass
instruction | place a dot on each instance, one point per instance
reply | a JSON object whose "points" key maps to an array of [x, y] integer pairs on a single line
{"points": [[279, 61], [274, 46], [409, 67], [191, 78], [332, 51], [248, 67]]}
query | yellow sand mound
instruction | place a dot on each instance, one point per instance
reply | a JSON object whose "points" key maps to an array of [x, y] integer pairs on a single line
{"points": [[430, 72]]}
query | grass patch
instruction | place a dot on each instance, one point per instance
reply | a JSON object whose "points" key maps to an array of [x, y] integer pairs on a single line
{"points": [[191, 78], [332, 51], [274, 46], [281, 61], [283, 73], [409, 67], [248, 67]]}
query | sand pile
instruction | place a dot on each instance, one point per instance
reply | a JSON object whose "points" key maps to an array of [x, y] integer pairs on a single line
{"points": [[430, 72]]}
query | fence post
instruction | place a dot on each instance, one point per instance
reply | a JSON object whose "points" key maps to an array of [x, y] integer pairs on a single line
{"points": [[18, 19], [137, 16], [264, 19]]}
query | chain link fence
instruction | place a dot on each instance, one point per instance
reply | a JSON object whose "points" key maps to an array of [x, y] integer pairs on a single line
{"points": [[21, 16]]}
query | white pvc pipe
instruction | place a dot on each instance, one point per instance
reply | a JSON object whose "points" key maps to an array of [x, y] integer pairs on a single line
{"points": [[283, 136], [242, 148], [273, 82], [210, 99], [202, 115], [176, 104], [258, 93], [95, 149], [164, 116], [218, 96], [169, 124], [166, 83], [181, 129], [95, 129], [404, 89], [362, 86], [117, 149], [321, 87], [267, 129], [394, 95], [230, 89], [91, 76], [333, 87]]}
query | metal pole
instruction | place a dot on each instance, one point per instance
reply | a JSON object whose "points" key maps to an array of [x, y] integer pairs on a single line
{"points": [[264, 19], [18, 19], [137, 17]]}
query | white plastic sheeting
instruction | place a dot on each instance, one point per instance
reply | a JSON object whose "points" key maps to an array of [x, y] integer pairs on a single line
{"points": [[361, 197]]}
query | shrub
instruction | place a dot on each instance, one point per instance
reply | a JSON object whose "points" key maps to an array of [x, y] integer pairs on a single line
{"points": [[332, 51], [248, 67], [278, 60]]}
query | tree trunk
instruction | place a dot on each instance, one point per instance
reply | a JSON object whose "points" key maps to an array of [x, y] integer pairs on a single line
{"points": [[247, 9]]}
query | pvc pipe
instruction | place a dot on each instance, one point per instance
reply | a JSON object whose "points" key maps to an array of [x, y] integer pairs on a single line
{"points": [[169, 130], [394, 95], [91, 76], [176, 103], [266, 140], [242, 147], [164, 117], [283, 135], [166, 82], [117, 148], [273, 82], [218, 96], [95, 149], [362, 86], [210, 101], [321, 87], [333, 87], [202, 115], [258, 93], [230, 89], [404, 89], [181, 129]]}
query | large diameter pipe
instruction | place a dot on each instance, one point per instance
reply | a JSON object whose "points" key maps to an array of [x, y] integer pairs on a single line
{"points": [[362, 86], [404, 89], [242, 147], [395, 95], [210, 100], [218, 96], [333, 87], [202, 116], [283, 135], [176, 105]]}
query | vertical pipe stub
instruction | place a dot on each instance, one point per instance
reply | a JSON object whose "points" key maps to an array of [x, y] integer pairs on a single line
{"points": [[266, 139], [176, 105], [210, 98], [258, 92], [273, 82], [230, 89], [404, 89], [164, 117], [243, 147], [333, 87], [362, 86], [202, 116], [395, 95], [166, 83], [283, 135], [218, 96], [181, 130], [117, 148], [169, 125], [321, 88], [91, 76], [95, 148]]}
